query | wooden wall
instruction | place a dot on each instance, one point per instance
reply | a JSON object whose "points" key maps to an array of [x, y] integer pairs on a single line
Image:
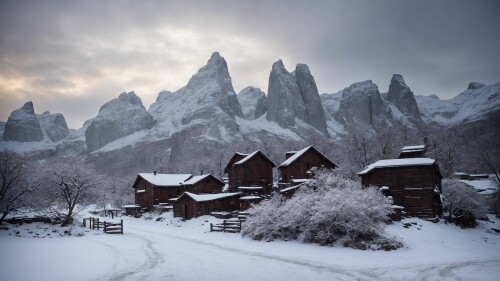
{"points": [[187, 208], [298, 169], [411, 187], [161, 194], [257, 171]]}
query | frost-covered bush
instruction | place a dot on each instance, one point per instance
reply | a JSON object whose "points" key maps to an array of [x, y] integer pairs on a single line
{"points": [[462, 203], [328, 210]]}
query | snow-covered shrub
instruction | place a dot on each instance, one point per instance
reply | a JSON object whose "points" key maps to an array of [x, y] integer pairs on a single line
{"points": [[328, 210], [462, 203]]}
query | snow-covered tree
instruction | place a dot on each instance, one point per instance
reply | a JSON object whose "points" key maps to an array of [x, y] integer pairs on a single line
{"points": [[328, 210], [70, 186], [463, 204]]}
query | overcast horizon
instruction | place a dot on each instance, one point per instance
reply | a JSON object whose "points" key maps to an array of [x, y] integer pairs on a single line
{"points": [[72, 57]]}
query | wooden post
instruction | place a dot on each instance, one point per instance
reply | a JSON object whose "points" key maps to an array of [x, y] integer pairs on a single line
{"points": [[121, 226], [105, 227], [97, 223], [211, 227]]}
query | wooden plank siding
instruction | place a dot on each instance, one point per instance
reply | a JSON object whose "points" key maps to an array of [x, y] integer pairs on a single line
{"points": [[411, 187], [161, 194], [187, 208], [256, 171], [298, 168]]}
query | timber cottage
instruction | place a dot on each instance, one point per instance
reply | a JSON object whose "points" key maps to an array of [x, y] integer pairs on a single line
{"points": [[153, 188], [298, 166], [413, 183]]}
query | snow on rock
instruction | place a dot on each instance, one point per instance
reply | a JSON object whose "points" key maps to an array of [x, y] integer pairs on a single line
{"points": [[253, 102], [294, 95], [54, 125], [117, 118], [23, 126], [478, 103], [402, 97], [201, 114], [362, 108]]}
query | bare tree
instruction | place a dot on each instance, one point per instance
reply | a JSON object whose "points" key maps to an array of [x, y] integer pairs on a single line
{"points": [[385, 143], [71, 188], [15, 184]]}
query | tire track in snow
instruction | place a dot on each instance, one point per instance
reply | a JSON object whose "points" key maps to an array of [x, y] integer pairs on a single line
{"points": [[426, 272]]}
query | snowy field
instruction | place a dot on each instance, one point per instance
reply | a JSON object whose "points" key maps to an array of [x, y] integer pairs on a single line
{"points": [[176, 250]]}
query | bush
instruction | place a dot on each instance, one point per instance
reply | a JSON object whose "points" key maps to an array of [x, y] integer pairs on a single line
{"points": [[328, 210], [463, 204]]}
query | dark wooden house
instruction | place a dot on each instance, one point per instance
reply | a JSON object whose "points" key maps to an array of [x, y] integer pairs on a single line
{"points": [[413, 183], [299, 165], [250, 173], [153, 189], [190, 205], [413, 151], [248, 200]]}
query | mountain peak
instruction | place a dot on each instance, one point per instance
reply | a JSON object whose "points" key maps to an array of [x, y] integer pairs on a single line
{"points": [[279, 66], [302, 67], [475, 85]]}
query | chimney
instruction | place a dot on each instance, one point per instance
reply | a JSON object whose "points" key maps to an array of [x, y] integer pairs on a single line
{"points": [[154, 172]]}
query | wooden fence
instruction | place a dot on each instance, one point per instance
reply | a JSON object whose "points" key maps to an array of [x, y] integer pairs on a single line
{"points": [[107, 227], [227, 226]]}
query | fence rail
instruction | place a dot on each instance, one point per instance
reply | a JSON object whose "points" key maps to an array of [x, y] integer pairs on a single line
{"points": [[107, 227], [226, 226]]}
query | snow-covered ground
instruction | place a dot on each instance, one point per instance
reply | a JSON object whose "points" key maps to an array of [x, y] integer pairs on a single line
{"points": [[176, 250]]}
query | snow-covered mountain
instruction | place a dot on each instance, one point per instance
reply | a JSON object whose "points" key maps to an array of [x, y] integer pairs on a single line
{"points": [[253, 102], [205, 119], [478, 102]]}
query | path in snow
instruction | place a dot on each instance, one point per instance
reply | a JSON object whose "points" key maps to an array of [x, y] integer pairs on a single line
{"points": [[181, 258]]}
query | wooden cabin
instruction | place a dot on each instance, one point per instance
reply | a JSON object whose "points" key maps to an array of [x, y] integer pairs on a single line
{"points": [[190, 205], [413, 151], [252, 172], [413, 183], [299, 165], [153, 188]]}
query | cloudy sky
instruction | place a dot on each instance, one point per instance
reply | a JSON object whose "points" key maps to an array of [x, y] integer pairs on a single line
{"points": [[73, 57]]}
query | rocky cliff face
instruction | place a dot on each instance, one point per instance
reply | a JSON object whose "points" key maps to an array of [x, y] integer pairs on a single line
{"points": [[253, 102], [54, 125], [201, 115], [117, 118], [23, 126], [363, 109], [403, 99], [294, 95]]}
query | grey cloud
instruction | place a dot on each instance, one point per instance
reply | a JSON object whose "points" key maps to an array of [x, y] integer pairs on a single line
{"points": [[81, 54]]}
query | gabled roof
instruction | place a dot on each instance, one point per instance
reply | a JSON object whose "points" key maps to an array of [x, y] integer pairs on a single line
{"points": [[207, 197], [197, 179], [389, 163], [236, 157], [252, 155], [301, 152], [165, 179], [173, 179]]}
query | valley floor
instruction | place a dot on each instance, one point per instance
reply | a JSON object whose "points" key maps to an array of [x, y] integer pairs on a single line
{"points": [[176, 250]]}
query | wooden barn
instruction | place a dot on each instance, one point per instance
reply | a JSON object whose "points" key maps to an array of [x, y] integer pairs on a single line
{"points": [[250, 173], [153, 188], [413, 183], [298, 165], [190, 205], [413, 151]]}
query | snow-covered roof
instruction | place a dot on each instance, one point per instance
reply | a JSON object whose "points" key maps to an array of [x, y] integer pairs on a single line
{"points": [[249, 156], [398, 163], [295, 156], [299, 180], [413, 147], [130, 206], [165, 179], [300, 153], [196, 179], [252, 197], [460, 174], [250, 187], [207, 197]]}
